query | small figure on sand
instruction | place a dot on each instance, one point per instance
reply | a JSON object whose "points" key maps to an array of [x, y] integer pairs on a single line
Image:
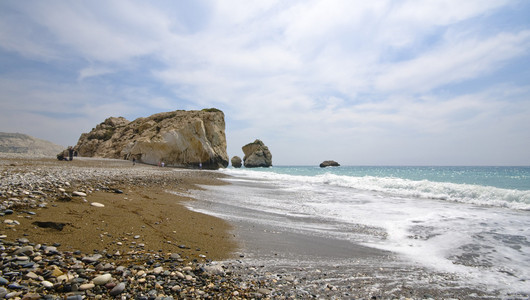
{"points": [[70, 153], [134, 161], [200, 165]]}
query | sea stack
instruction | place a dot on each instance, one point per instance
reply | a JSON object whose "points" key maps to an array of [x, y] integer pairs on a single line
{"points": [[329, 163], [174, 139], [257, 155], [236, 162]]}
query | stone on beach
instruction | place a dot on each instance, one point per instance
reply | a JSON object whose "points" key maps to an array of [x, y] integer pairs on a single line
{"points": [[118, 289], [97, 204], [86, 286], [102, 279], [79, 194]]}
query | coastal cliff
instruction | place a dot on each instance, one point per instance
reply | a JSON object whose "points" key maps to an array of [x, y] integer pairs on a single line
{"points": [[178, 138], [25, 144]]}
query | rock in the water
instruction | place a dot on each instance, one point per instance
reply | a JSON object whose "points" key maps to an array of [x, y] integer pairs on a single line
{"points": [[329, 163], [236, 162], [257, 155], [177, 138]]}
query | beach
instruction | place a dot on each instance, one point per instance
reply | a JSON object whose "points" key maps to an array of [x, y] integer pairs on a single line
{"points": [[65, 223], [96, 228]]}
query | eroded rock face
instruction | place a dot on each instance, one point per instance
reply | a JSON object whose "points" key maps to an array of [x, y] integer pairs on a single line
{"points": [[257, 155], [177, 138], [329, 163], [236, 162]]}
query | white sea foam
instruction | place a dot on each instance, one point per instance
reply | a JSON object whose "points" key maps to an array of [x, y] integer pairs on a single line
{"points": [[465, 193], [481, 233]]}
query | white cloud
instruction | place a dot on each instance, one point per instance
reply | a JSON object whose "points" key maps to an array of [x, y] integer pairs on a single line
{"points": [[355, 74], [453, 62], [93, 71]]}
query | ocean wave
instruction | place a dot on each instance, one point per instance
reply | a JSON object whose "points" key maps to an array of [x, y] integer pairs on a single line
{"points": [[399, 187]]}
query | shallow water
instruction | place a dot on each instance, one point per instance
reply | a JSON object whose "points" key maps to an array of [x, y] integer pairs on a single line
{"points": [[480, 241]]}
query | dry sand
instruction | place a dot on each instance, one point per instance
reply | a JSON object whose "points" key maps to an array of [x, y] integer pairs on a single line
{"points": [[145, 216]]}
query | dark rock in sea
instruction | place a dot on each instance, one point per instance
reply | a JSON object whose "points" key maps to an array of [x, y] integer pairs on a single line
{"points": [[257, 155], [236, 162], [329, 163]]}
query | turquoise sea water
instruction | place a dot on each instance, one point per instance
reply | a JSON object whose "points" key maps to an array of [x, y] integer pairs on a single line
{"points": [[470, 221], [517, 178], [489, 186]]}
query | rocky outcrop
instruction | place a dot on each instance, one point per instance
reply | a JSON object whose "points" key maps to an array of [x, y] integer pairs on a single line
{"points": [[236, 162], [329, 163], [257, 155], [177, 139], [25, 144]]}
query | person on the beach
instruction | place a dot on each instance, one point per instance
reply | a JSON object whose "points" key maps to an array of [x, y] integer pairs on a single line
{"points": [[134, 161], [70, 153], [200, 165]]}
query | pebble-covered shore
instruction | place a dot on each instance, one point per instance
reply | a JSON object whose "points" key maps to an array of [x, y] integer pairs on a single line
{"points": [[30, 270]]}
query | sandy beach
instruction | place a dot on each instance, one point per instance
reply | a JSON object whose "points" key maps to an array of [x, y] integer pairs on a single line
{"points": [[90, 217], [138, 210]]}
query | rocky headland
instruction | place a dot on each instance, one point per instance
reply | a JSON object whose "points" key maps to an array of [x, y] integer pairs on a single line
{"points": [[187, 139], [25, 144]]}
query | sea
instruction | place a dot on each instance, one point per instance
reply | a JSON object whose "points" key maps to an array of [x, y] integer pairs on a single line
{"points": [[471, 224]]}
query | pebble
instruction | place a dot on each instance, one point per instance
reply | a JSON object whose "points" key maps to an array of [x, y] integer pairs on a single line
{"points": [[86, 286], [79, 194], [97, 204], [102, 279], [118, 289]]}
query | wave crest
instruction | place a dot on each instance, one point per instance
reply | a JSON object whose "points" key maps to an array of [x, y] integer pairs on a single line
{"points": [[399, 187]]}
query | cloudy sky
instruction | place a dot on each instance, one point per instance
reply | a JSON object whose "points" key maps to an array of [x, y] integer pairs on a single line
{"points": [[436, 82]]}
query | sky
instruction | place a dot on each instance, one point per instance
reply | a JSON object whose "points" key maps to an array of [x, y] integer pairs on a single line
{"points": [[439, 82]]}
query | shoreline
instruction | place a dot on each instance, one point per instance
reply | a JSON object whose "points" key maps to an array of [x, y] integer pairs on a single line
{"points": [[148, 244], [65, 224], [287, 250]]}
